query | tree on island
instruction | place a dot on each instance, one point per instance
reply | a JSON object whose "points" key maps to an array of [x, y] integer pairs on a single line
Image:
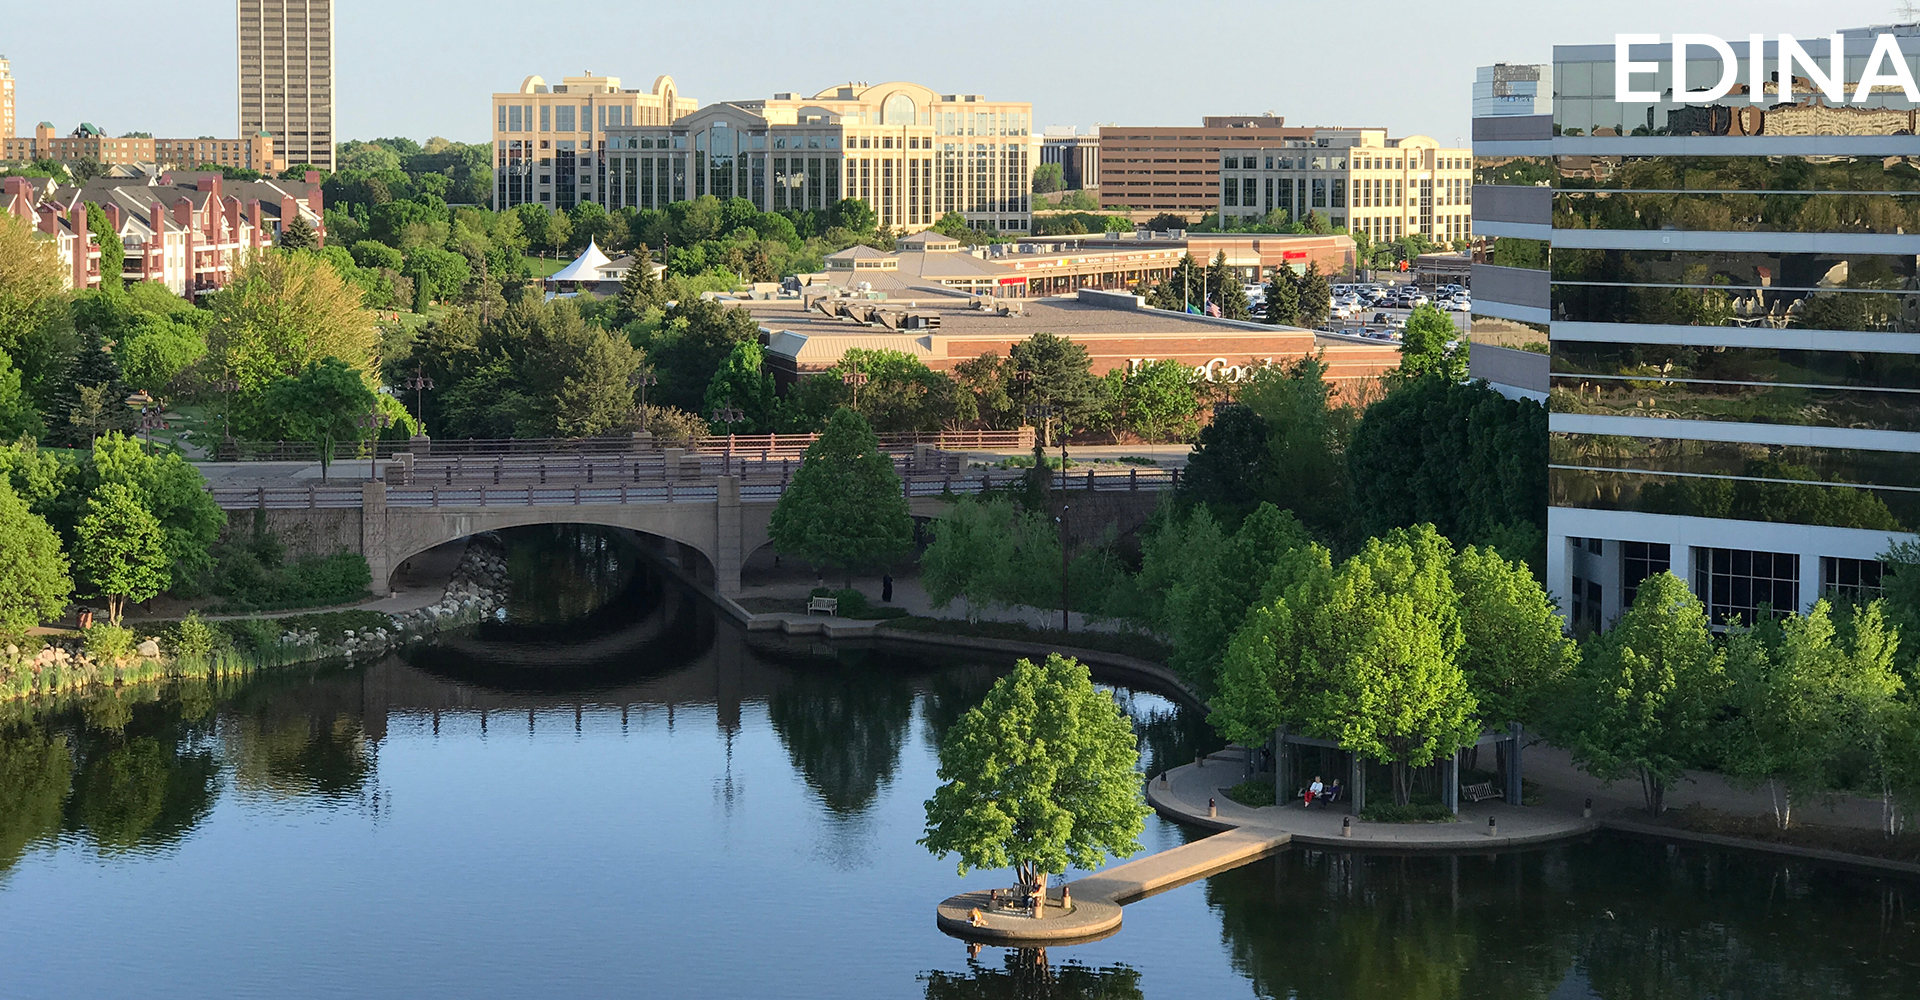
{"points": [[844, 508], [121, 556], [1039, 775]]}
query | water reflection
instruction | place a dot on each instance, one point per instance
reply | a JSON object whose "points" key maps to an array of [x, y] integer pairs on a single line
{"points": [[1026, 974], [545, 793], [1624, 918]]}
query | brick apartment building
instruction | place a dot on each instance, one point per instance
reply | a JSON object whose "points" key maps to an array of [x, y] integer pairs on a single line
{"points": [[1177, 168], [88, 143]]}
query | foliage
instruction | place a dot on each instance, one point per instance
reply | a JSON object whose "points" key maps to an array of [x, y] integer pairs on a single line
{"points": [[692, 341], [1230, 469], [1283, 297], [901, 394], [1048, 178], [298, 234], [31, 283], [1197, 580], [668, 426], [18, 416], [740, 382], [321, 404], [844, 508], [1431, 347], [1515, 652], [283, 312], [1156, 401], [34, 585], [992, 553], [1645, 693], [1229, 294], [1256, 793], [1307, 437], [1412, 812], [120, 555], [113, 252], [254, 575], [107, 642], [1053, 371], [1463, 457], [1040, 775], [192, 639], [168, 487]]}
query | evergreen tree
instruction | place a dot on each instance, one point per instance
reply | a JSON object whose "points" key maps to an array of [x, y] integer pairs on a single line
{"points": [[1283, 297], [298, 234], [1226, 289], [1316, 298], [844, 508]]}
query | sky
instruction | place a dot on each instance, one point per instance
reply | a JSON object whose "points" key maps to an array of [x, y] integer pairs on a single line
{"points": [[422, 68]]}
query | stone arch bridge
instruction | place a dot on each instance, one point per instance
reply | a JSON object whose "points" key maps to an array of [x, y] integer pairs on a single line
{"points": [[713, 525]]}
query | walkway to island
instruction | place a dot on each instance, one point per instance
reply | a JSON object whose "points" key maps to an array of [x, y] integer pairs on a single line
{"points": [[1249, 834]]}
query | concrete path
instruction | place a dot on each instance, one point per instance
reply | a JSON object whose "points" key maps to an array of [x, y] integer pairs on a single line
{"points": [[1194, 794]]}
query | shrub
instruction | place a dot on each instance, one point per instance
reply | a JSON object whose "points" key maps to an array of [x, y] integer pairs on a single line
{"points": [[853, 603], [254, 634], [1252, 793], [192, 638], [1414, 812], [107, 643]]}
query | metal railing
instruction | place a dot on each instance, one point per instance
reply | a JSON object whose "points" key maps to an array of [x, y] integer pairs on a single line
{"points": [[771, 445], [665, 491]]}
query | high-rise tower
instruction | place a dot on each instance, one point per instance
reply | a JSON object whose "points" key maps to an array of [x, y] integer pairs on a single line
{"points": [[286, 76], [6, 100]]}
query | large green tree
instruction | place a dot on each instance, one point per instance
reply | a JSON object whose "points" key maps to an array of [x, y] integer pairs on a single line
{"points": [[321, 404], [1515, 649], [1226, 288], [1431, 347], [1231, 466], [742, 383], [844, 508], [1053, 371], [120, 553], [34, 585], [173, 490], [283, 312], [1641, 702], [1040, 775]]}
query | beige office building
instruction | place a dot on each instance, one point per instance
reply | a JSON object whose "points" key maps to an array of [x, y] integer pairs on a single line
{"points": [[89, 143], [1354, 178], [912, 153], [286, 76], [6, 99], [548, 138]]}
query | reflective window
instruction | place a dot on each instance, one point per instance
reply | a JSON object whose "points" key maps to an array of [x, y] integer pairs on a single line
{"points": [[1878, 409], [1514, 251], [1739, 586], [1739, 499], [1738, 212], [1853, 580], [1725, 305], [1782, 463], [1639, 560], [1663, 364], [1746, 269], [1737, 173]]}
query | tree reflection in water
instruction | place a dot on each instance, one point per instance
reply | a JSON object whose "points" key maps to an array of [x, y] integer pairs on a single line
{"points": [[566, 573], [843, 728], [1028, 975], [1628, 918]]}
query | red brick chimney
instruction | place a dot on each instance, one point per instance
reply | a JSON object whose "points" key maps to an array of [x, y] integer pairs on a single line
{"points": [[313, 177], [113, 215], [157, 262], [255, 239], [289, 210]]}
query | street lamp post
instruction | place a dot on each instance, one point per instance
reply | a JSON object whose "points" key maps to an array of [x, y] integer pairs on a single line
{"points": [[1062, 521], [374, 420], [419, 383], [149, 418], [227, 387], [640, 381], [728, 414], [854, 380]]}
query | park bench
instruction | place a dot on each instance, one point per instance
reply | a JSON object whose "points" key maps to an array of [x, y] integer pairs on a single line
{"points": [[1482, 790], [829, 605]]}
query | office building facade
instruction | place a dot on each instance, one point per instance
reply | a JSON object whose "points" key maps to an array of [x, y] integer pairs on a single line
{"points": [[549, 140], [1177, 169], [1078, 155], [286, 76], [1358, 179], [89, 143], [1730, 295], [7, 123], [912, 153]]}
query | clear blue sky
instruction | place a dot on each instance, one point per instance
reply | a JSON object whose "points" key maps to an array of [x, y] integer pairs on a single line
{"points": [[425, 67]]}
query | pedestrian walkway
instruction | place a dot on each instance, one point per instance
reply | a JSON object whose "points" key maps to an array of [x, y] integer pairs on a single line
{"points": [[1195, 794]]}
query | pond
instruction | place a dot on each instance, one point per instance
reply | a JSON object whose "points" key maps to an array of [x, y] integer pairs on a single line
{"points": [[617, 792]]}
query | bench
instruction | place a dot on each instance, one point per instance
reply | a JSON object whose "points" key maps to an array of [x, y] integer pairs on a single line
{"points": [[830, 605], [1483, 790]]}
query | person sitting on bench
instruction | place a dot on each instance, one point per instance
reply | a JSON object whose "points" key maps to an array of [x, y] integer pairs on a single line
{"points": [[1332, 794], [1313, 792]]}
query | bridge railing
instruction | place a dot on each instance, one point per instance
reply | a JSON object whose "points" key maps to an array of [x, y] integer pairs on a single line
{"points": [[666, 491], [730, 444], [503, 470]]}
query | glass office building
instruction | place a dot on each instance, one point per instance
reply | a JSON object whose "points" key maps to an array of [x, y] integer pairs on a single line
{"points": [[1728, 290]]}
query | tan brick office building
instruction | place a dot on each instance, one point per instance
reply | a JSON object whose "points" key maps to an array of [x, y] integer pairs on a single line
{"points": [[1357, 179], [548, 139], [89, 143], [285, 62], [1177, 168]]}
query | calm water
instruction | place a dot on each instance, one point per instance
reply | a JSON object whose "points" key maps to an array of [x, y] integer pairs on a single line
{"points": [[612, 794]]}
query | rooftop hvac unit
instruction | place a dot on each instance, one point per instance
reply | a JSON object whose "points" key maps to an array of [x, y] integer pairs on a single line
{"points": [[1176, 234]]}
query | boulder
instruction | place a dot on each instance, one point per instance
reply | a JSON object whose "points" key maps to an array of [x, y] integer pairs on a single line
{"points": [[148, 649]]}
